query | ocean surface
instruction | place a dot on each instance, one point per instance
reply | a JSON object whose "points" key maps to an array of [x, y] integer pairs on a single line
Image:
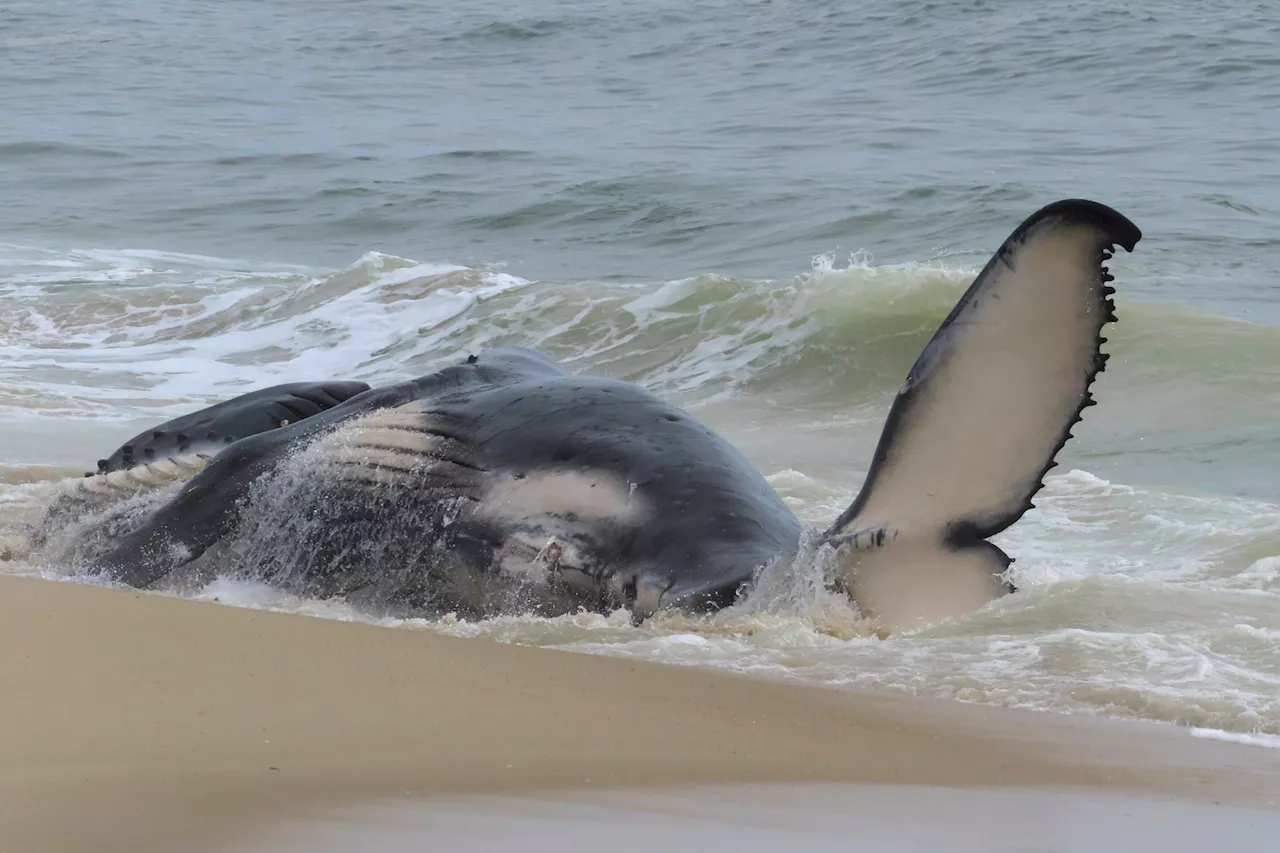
{"points": [[759, 209]]}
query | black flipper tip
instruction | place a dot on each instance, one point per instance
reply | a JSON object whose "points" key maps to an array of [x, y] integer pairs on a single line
{"points": [[1118, 227]]}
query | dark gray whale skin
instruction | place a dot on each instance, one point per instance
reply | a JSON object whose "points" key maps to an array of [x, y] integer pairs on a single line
{"points": [[210, 429], [172, 451], [504, 483], [512, 414]]}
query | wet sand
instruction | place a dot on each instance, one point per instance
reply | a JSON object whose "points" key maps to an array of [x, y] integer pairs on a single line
{"points": [[135, 722], [786, 818]]}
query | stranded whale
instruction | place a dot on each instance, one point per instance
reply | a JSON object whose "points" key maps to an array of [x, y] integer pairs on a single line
{"points": [[504, 483]]}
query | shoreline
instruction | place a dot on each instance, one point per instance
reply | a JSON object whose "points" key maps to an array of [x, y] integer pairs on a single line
{"points": [[134, 721]]}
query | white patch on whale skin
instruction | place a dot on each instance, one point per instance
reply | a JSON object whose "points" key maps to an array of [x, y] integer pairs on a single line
{"points": [[587, 495], [538, 556], [549, 516]]}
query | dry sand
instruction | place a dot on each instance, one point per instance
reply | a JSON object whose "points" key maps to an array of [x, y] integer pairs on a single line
{"points": [[140, 722]]}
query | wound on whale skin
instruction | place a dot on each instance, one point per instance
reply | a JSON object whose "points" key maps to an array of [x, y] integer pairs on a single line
{"points": [[976, 425]]}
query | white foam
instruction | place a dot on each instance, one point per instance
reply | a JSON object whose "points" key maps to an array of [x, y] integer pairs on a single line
{"points": [[412, 273], [863, 263], [303, 321], [1252, 739]]}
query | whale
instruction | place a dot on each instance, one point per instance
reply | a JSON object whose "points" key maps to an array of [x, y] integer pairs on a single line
{"points": [[502, 482]]}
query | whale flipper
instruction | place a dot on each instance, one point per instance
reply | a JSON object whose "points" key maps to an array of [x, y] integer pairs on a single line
{"points": [[975, 427]]}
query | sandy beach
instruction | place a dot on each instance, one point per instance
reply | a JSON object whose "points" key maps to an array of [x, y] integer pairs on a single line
{"points": [[138, 721]]}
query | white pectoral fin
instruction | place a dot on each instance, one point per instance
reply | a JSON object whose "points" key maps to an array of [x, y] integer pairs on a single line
{"points": [[907, 582], [993, 396]]}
